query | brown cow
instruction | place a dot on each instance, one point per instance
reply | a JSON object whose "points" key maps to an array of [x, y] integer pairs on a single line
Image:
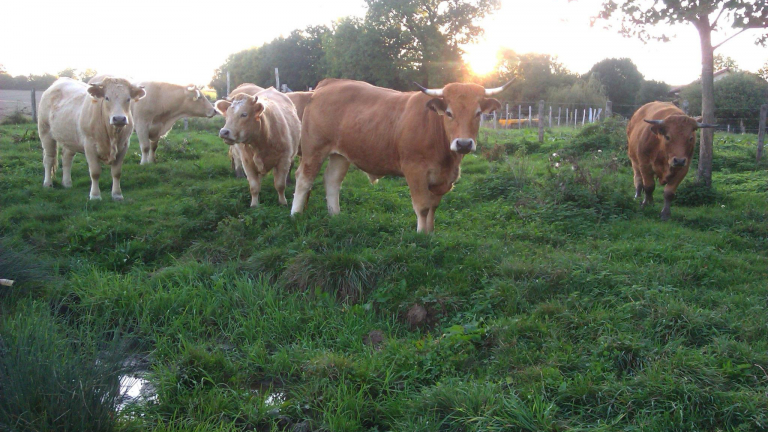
{"points": [[300, 101], [266, 131], [661, 139], [422, 136], [94, 119]]}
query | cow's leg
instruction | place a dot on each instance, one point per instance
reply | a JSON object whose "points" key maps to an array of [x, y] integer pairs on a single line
{"points": [[335, 172], [143, 134], [669, 193], [281, 172], [94, 169], [66, 166], [638, 180], [117, 172], [254, 176], [649, 184], [49, 158], [309, 167], [152, 151], [423, 200]]}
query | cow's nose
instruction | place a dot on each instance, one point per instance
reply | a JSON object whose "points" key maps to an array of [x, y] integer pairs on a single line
{"points": [[678, 162], [119, 120], [464, 145]]}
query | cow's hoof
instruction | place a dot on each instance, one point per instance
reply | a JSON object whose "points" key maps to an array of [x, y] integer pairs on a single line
{"points": [[117, 197], [95, 197], [665, 216], [67, 185], [47, 185]]}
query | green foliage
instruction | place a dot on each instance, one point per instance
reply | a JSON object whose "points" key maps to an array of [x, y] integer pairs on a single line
{"points": [[535, 75], [582, 93], [738, 97], [622, 82], [722, 62], [651, 91]]}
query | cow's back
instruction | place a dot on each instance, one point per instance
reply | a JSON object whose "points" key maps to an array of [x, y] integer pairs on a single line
{"points": [[300, 101], [363, 122], [60, 109], [246, 88]]}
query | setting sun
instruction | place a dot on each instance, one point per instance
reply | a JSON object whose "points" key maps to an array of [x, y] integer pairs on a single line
{"points": [[482, 58]]}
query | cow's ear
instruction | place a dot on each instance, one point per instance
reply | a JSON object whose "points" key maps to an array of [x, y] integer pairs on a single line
{"points": [[96, 91], [489, 105], [137, 92], [437, 105], [222, 106], [258, 109]]}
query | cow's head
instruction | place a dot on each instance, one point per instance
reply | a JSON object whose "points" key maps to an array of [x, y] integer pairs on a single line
{"points": [[243, 114], [678, 137], [115, 96], [196, 104], [461, 106]]}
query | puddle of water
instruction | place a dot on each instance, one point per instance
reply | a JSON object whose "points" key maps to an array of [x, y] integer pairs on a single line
{"points": [[135, 388]]}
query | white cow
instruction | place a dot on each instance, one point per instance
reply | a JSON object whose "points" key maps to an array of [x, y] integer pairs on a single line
{"points": [[94, 119]]}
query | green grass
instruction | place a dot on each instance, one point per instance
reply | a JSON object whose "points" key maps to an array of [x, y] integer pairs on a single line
{"points": [[550, 301]]}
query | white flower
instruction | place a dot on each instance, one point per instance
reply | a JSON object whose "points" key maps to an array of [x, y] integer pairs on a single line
{"points": [[554, 154], [723, 206], [557, 165], [599, 151]]}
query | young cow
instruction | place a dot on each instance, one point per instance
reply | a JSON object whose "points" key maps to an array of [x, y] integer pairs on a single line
{"points": [[266, 131]]}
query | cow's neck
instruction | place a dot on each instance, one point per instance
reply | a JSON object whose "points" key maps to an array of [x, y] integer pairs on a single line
{"points": [[441, 145], [106, 137]]}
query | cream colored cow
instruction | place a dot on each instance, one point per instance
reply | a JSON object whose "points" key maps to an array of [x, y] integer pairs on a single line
{"points": [[266, 131], [94, 119]]}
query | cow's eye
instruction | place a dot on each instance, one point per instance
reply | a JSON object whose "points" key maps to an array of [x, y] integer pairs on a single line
{"points": [[479, 113], [244, 115], [690, 139], [449, 114], [107, 98], [667, 137]]}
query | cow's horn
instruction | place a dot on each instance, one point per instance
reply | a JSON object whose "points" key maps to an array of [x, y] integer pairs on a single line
{"points": [[655, 122], [430, 92], [705, 125], [191, 87], [99, 84], [497, 90]]}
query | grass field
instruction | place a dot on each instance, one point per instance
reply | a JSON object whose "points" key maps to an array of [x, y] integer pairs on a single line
{"points": [[546, 300]]}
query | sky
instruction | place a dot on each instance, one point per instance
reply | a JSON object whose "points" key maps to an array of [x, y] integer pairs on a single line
{"points": [[185, 41]]}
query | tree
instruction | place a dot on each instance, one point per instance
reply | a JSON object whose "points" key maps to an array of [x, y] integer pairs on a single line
{"points": [[724, 62], [651, 91], [638, 17], [359, 51], [763, 71], [582, 93], [534, 75], [739, 96], [88, 74], [622, 81], [430, 32], [68, 73]]}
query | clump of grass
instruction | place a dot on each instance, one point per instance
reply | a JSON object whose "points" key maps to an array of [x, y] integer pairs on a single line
{"points": [[21, 265], [345, 275], [697, 194], [16, 118], [51, 379]]}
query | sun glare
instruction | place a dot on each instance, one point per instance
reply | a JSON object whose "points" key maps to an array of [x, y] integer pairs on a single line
{"points": [[481, 59]]}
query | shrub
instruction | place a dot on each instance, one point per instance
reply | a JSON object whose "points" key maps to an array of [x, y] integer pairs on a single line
{"points": [[16, 118]]}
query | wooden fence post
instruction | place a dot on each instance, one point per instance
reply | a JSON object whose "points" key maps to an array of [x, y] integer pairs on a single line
{"points": [[567, 116], [584, 117], [519, 116], [685, 106], [608, 109], [541, 121], [277, 80], [495, 121], [227, 83], [186, 124], [761, 131], [558, 115], [34, 106]]}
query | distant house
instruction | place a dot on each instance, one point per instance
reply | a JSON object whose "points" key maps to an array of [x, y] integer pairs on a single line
{"points": [[722, 73]]}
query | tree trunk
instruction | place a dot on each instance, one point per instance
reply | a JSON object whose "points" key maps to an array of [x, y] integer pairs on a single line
{"points": [[704, 174]]}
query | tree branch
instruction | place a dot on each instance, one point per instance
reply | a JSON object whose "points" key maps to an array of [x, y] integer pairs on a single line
{"points": [[714, 23], [721, 43]]}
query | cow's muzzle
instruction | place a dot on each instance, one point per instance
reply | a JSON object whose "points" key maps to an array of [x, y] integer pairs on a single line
{"points": [[118, 121], [463, 145], [226, 135], [679, 162]]}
